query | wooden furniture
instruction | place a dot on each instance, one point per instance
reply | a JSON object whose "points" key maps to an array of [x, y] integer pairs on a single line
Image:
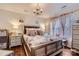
{"points": [[25, 30], [64, 42], [6, 53], [46, 49], [15, 40], [75, 37], [4, 39]]}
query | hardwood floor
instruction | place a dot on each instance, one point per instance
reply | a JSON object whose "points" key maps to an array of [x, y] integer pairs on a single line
{"points": [[67, 52], [20, 52]]}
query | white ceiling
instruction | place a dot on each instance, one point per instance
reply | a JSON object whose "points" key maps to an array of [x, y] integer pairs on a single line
{"points": [[50, 9]]}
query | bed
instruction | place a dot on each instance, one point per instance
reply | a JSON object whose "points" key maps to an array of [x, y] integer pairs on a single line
{"points": [[38, 45]]}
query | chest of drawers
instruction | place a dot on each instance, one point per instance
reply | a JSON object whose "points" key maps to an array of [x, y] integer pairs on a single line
{"points": [[75, 36], [15, 41]]}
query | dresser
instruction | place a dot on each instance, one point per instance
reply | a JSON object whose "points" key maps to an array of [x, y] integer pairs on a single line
{"points": [[75, 36], [4, 39], [15, 41]]}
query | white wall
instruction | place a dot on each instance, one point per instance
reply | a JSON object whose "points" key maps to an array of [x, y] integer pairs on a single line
{"points": [[33, 20], [7, 18]]}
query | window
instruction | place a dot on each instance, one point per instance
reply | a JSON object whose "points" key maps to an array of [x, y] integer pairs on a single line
{"points": [[63, 25]]}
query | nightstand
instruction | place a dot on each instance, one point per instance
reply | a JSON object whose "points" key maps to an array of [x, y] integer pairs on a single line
{"points": [[64, 42], [15, 41]]}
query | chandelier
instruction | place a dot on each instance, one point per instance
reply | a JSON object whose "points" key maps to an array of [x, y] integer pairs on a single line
{"points": [[38, 10]]}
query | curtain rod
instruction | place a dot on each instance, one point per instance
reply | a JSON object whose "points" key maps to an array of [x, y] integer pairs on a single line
{"points": [[64, 14]]}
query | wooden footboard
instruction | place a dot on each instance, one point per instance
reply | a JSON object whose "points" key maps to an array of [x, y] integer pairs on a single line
{"points": [[46, 49]]}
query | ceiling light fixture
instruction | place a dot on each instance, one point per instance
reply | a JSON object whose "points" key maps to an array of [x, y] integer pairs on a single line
{"points": [[38, 10]]}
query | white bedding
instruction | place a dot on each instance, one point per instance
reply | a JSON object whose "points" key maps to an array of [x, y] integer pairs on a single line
{"points": [[35, 40]]}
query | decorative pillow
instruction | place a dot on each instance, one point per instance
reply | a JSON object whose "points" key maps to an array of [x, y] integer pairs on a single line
{"points": [[39, 32], [29, 38], [30, 32]]}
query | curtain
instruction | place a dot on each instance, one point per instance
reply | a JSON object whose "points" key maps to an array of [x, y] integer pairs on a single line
{"points": [[62, 26], [57, 28], [67, 26], [69, 20]]}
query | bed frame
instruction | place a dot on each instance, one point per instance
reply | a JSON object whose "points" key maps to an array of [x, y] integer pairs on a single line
{"points": [[46, 49]]}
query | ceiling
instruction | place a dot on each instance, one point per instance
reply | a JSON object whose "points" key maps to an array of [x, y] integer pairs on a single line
{"points": [[49, 9]]}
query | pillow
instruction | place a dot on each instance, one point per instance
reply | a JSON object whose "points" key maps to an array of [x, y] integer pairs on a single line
{"points": [[30, 32], [39, 32], [28, 38]]}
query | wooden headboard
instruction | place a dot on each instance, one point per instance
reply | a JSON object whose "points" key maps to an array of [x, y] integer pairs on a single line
{"points": [[29, 27]]}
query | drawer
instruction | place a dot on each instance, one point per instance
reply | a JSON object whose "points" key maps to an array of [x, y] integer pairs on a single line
{"points": [[75, 32], [17, 37], [75, 36], [75, 27], [3, 45], [15, 44], [75, 40], [16, 40], [13, 40], [75, 45]]}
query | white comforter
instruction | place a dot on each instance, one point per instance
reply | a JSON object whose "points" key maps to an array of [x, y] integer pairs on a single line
{"points": [[35, 40]]}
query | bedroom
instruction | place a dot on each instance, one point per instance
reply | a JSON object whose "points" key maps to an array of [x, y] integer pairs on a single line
{"points": [[50, 24]]}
